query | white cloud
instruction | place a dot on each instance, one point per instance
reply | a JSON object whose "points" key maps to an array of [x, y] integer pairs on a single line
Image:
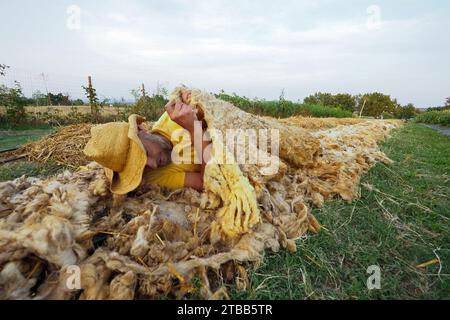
{"points": [[118, 17]]}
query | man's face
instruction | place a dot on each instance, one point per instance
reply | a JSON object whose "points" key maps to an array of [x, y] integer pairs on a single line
{"points": [[158, 149]]}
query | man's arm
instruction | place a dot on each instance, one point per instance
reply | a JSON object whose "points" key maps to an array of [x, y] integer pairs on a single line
{"points": [[184, 115], [195, 179]]}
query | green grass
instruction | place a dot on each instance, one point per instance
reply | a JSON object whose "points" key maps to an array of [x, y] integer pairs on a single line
{"points": [[25, 126], [13, 170], [15, 138], [398, 225]]}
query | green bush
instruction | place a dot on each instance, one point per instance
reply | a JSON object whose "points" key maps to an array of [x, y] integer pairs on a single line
{"points": [[343, 101], [14, 102], [320, 111], [435, 117], [149, 107], [387, 115]]}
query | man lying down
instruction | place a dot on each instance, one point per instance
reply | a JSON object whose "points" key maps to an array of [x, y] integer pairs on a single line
{"points": [[163, 156]]}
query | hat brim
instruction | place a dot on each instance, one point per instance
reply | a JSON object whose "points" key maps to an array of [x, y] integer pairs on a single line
{"points": [[130, 177]]}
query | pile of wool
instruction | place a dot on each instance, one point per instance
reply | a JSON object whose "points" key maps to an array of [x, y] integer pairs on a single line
{"points": [[151, 244], [238, 186], [320, 123], [348, 152], [242, 186], [154, 243]]}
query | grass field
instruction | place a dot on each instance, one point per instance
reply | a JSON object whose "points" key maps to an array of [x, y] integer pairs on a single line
{"points": [[401, 220]]}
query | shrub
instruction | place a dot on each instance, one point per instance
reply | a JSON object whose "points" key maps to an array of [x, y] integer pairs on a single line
{"points": [[387, 115], [149, 107], [435, 117], [344, 101], [14, 102]]}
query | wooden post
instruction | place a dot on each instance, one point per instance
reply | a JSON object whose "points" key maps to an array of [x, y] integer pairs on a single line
{"points": [[93, 113], [49, 101], [143, 90], [362, 109]]}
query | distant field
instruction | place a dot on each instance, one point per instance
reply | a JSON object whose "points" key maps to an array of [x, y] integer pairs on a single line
{"points": [[66, 109]]}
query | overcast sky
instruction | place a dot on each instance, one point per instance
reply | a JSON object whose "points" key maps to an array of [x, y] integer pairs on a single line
{"points": [[254, 48]]}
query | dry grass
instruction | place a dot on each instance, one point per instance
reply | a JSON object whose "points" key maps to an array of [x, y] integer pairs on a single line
{"points": [[64, 147]]}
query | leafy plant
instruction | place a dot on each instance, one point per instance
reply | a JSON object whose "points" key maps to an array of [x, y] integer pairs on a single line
{"points": [[405, 112], [343, 101], [91, 95], [14, 102], [435, 117], [149, 107], [376, 103], [283, 108], [387, 115]]}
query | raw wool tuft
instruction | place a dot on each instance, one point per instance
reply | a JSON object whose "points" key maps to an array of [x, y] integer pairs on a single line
{"points": [[157, 243], [13, 284]]}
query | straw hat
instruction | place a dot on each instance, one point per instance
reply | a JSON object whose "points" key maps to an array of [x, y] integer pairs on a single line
{"points": [[117, 147]]}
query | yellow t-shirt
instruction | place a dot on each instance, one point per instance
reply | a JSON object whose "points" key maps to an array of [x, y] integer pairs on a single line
{"points": [[172, 176]]}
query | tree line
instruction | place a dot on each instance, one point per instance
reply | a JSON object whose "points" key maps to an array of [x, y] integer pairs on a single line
{"points": [[374, 104], [53, 99]]}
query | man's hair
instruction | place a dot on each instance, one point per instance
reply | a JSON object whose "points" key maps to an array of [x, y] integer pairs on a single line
{"points": [[153, 137]]}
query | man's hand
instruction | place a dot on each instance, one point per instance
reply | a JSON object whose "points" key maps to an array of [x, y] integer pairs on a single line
{"points": [[186, 117], [185, 96], [182, 114]]}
